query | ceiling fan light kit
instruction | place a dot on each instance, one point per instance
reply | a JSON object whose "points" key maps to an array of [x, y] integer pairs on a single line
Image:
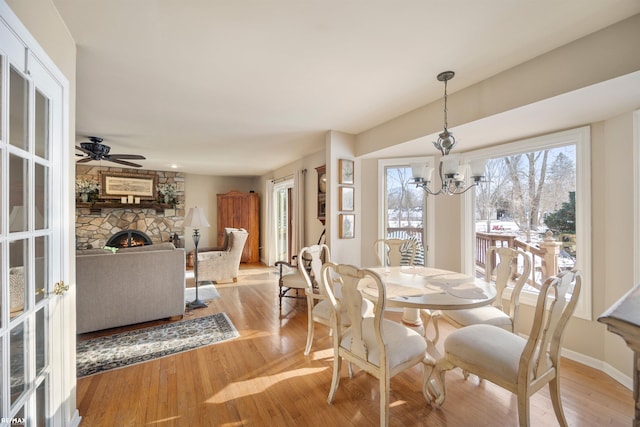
{"points": [[96, 150], [450, 170]]}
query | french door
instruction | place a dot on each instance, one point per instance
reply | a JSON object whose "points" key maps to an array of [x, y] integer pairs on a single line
{"points": [[282, 216], [34, 343]]}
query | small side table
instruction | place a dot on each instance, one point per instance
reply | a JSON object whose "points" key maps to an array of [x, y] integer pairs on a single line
{"points": [[623, 318]]}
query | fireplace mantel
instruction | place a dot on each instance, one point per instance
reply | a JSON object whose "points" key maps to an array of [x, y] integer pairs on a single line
{"points": [[98, 206]]}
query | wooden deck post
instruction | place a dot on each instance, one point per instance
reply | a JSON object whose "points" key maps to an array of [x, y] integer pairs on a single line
{"points": [[550, 258]]}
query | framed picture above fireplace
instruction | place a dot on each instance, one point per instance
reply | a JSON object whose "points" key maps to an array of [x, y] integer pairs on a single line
{"points": [[114, 185]]}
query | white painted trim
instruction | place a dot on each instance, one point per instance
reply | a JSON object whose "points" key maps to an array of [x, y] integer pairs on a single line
{"points": [[601, 366]]}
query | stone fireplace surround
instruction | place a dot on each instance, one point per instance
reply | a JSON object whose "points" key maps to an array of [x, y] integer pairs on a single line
{"points": [[93, 229]]}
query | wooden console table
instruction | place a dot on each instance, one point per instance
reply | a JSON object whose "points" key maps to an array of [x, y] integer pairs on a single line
{"points": [[623, 318]]}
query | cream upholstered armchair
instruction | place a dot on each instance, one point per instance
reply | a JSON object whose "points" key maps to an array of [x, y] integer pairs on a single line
{"points": [[521, 365], [224, 264]]}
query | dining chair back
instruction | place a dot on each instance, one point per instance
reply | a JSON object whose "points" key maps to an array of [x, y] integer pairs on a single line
{"points": [[507, 261], [521, 365], [318, 308], [377, 345], [395, 252]]}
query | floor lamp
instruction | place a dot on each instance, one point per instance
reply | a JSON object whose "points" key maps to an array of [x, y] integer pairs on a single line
{"points": [[196, 219]]}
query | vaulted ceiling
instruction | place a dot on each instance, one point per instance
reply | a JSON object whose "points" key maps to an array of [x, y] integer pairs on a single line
{"points": [[244, 87]]}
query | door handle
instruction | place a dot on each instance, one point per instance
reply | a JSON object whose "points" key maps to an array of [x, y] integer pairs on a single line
{"points": [[60, 288]]}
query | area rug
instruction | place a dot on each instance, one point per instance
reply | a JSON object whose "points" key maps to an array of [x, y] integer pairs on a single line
{"points": [[119, 350], [205, 293]]}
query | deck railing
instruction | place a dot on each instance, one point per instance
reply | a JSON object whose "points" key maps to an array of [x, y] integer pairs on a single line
{"points": [[544, 255]]}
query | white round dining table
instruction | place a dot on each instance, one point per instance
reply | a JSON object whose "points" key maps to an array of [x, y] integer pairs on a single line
{"points": [[415, 288]]}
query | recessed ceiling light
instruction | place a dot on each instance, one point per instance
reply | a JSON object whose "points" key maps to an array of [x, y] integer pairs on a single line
{"points": [[174, 166]]}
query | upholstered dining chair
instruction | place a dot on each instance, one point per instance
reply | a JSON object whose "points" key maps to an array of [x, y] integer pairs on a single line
{"points": [[318, 309], [521, 365], [495, 314], [291, 282], [395, 252], [318, 304], [379, 346]]}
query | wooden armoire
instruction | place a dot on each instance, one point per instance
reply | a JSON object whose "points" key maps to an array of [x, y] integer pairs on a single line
{"points": [[241, 210]]}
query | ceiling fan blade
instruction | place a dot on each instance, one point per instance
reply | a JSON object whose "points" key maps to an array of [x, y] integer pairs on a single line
{"points": [[126, 156], [84, 150], [85, 160], [122, 162]]}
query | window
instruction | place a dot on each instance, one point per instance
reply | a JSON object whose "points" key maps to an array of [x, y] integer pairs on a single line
{"points": [[539, 185], [403, 205]]}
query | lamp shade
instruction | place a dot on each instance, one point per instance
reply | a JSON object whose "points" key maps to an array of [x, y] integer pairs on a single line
{"points": [[422, 171], [478, 167], [450, 164], [196, 218]]}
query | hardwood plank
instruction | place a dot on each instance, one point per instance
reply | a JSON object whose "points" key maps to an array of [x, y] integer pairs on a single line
{"points": [[262, 377]]}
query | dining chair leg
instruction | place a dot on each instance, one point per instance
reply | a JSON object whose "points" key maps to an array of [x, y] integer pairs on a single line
{"points": [[523, 408], [385, 385], [310, 329], [554, 391], [335, 381]]}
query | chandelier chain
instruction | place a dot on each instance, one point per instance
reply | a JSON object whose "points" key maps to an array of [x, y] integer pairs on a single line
{"points": [[446, 125]]}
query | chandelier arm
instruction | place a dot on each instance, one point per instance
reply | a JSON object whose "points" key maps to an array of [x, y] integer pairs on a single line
{"points": [[457, 192]]}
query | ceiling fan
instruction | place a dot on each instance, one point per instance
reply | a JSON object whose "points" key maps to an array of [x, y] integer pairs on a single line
{"points": [[96, 150]]}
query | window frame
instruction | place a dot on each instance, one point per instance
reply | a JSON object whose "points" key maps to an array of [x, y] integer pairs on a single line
{"points": [[581, 138]]}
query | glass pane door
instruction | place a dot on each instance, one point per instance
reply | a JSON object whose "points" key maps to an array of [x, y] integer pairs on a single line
{"points": [[30, 253], [282, 218]]}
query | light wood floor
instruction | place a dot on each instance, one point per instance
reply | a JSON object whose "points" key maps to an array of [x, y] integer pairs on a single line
{"points": [[263, 378]]}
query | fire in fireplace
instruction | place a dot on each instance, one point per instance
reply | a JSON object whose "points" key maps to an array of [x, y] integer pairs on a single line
{"points": [[129, 238]]}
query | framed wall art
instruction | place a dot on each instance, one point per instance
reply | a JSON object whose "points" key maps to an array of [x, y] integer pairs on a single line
{"points": [[345, 171], [347, 227], [346, 198], [114, 185]]}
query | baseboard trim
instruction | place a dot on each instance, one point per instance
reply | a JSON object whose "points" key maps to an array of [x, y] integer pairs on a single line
{"points": [[601, 366]]}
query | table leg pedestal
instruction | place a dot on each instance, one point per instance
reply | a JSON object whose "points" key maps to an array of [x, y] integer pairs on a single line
{"points": [[411, 318]]}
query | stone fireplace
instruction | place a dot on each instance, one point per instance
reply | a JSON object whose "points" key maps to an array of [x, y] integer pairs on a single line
{"points": [[158, 222]]}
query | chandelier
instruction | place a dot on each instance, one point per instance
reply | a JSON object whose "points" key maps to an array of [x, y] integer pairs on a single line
{"points": [[451, 171]]}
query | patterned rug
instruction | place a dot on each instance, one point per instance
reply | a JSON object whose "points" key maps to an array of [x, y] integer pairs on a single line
{"points": [[128, 348]]}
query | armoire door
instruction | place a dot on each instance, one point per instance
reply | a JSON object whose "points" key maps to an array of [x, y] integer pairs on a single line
{"points": [[240, 210]]}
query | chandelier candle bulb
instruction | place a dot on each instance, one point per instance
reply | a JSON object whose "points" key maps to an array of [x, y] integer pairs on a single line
{"points": [[478, 168], [422, 172], [450, 165], [461, 172]]}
